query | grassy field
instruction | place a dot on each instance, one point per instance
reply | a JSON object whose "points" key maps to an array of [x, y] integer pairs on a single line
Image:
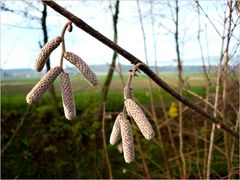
{"points": [[23, 85], [48, 146]]}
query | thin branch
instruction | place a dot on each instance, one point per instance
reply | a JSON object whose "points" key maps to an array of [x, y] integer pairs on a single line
{"points": [[180, 84], [108, 80], [208, 19], [225, 92], [150, 87], [154, 38], [63, 42], [88, 29], [19, 12], [17, 129], [48, 66], [144, 162], [217, 92], [105, 143], [106, 85], [31, 5]]}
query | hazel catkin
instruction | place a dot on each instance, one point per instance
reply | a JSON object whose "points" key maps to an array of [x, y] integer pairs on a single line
{"points": [[116, 132], [67, 96], [45, 82], [46, 50], [127, 140], [142, 122], [82, 66]]}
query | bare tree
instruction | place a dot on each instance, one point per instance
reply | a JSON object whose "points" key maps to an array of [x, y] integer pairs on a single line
{"points": [[25, 12], [180, 82], [150, 89], [45, 40], [106, 86]]}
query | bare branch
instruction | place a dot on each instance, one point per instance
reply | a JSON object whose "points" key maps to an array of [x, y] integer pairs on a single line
{"points": [[19, 12], [88, 29], [208, 18]]}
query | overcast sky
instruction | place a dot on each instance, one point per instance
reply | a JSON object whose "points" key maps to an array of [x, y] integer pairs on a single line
{"points": [[20, 35]]}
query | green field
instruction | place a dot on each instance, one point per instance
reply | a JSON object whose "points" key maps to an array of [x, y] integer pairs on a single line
{"points": [[49, 146], [23, 85]]}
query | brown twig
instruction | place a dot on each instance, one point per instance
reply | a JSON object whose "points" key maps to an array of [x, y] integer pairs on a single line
{"points": [[150, 89], [106, 85], [105, 144], [217, 92], [17, 129], [225, 86], [180, 89], [48, 65], [144, 162], [88, 29], [108, 80], [63, 42]]}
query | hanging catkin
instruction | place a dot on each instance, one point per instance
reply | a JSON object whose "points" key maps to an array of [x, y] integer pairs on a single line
{"points": [[67, 96], [142, 122], [127, 140], [43, 85], [46, 50], [116, 132], [82, 66]]}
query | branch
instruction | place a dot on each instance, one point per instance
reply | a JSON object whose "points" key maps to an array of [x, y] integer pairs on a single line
{"points": [[18, 12], [88, 29], [16, 131]]}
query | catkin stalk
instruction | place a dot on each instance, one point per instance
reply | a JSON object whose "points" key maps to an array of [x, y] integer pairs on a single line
{"points": [[45, 52], [128, 93], [127, 140], [142, 122], [67, 96], [89, 75], [43, 85]]}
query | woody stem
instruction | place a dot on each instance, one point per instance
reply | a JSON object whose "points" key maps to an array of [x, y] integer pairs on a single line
{"points": [[131, 75], [63, 42], [146, 69]]}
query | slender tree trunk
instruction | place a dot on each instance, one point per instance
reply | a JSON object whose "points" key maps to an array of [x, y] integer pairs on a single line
{"points": [[105, 145], [219, 72], [154, 39], [108, 79], [153, 111], [144, 162], [180, 82], [105, 89], [213, 125], [45, 40], [208, 83], [224, 95]]}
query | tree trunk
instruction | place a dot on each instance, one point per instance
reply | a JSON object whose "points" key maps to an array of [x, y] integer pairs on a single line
{"points": [[108, 79], [105, 90], [180, 82], [45, 40]]}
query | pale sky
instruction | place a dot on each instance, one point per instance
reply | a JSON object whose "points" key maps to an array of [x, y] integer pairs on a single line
{"points": [[19, 46]]}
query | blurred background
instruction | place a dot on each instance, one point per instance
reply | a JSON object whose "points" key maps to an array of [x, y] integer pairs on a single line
{"points": [[192, 45]]}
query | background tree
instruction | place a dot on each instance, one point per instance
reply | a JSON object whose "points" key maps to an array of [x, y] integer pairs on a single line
{"points": [[106, 85], [26, 11], [48, 146]]}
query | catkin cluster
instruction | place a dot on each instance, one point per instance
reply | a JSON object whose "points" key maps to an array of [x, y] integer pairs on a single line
{"points": [[122, 126], [47, 80]]}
